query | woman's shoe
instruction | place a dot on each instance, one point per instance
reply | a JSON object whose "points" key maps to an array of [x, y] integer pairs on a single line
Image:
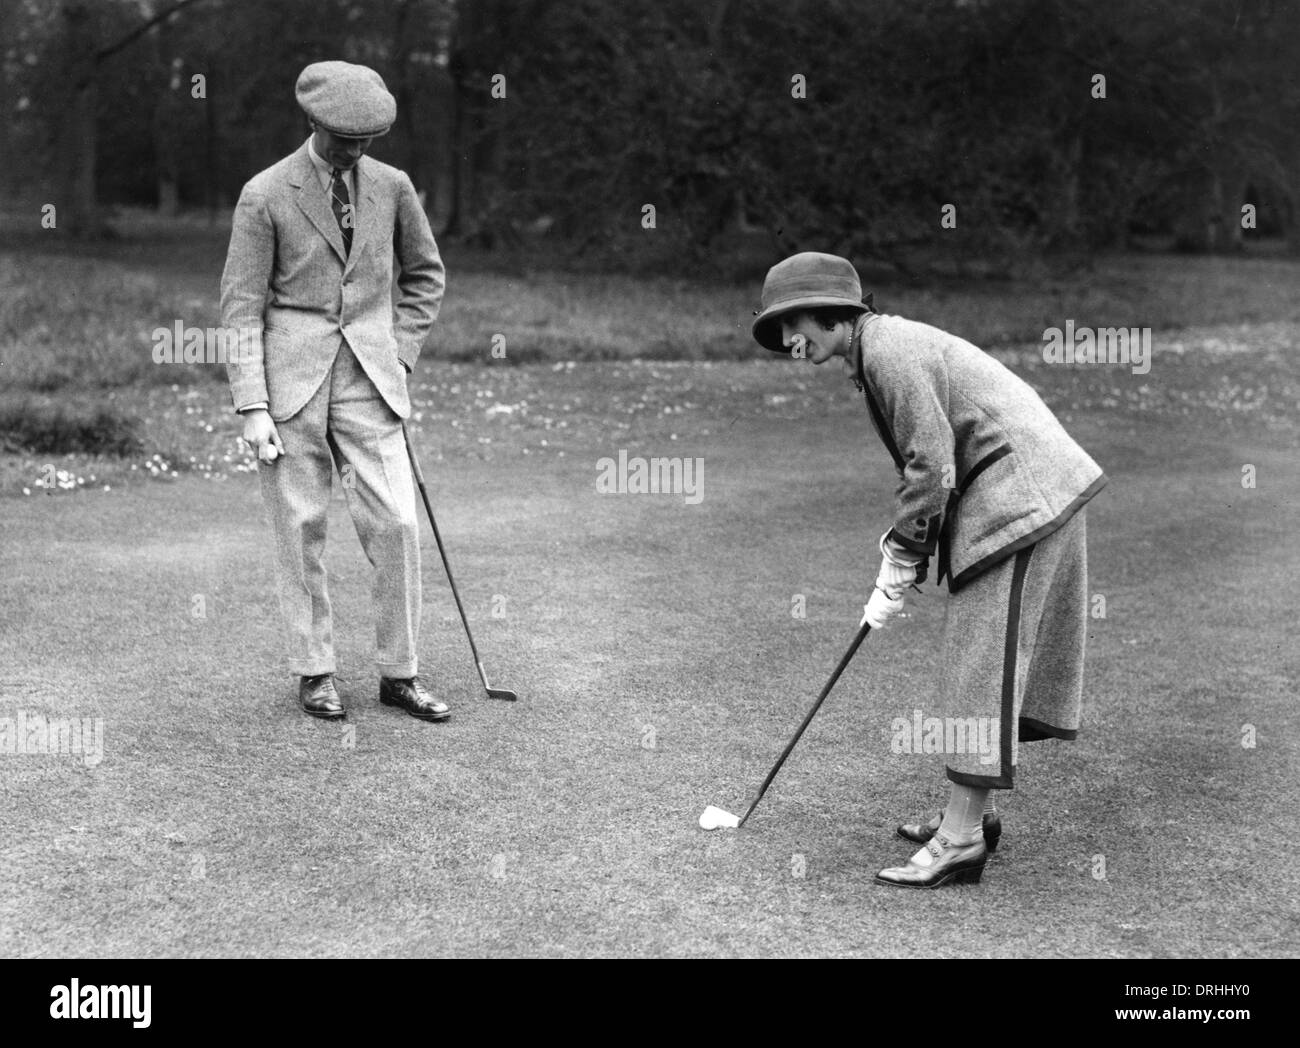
{"points": [[922, 832], [955, 863]]}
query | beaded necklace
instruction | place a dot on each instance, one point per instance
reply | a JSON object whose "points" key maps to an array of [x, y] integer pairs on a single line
{"points": [[855, 368]]}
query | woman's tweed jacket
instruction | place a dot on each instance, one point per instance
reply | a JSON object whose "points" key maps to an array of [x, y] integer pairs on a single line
{"points": [[984, 467]]}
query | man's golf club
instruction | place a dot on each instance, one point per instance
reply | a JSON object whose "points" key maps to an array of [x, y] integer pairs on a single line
{"points": [[716, 818], [493, 693]]}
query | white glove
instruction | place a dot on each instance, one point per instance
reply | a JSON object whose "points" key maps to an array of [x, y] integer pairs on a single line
{"points": [[880, 609], [897, 567]]}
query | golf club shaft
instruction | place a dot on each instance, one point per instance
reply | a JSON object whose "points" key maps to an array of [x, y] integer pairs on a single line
{"points": [[442, 552], [853, 650]]}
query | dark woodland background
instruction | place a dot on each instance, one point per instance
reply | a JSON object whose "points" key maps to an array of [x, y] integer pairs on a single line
{"points": [[910, 105]]}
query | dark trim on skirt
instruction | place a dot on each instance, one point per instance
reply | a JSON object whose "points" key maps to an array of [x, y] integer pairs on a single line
{"points": [[1010, 652]]}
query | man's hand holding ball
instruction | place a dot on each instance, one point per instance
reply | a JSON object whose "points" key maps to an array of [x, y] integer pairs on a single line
{"points": [[261, 435]]}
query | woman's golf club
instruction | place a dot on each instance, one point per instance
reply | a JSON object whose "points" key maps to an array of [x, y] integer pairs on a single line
{"points": [[714, 818], [493, 693]]}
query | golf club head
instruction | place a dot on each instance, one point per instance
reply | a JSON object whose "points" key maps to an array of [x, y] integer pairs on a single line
{"points": [[502, 693], [715, 819]]}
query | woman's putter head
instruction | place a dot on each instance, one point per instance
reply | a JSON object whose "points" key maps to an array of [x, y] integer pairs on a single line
{"points": [[716, 819]]}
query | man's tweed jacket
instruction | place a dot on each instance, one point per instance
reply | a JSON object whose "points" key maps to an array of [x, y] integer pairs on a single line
{"points": [[985, 469], [288, 279]]}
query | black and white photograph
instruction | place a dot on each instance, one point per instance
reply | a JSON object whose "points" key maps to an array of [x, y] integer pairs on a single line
{"points": [[689, 479]]}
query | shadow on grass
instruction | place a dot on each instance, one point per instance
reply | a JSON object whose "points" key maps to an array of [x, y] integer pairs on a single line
{"points": [[59, 429]]}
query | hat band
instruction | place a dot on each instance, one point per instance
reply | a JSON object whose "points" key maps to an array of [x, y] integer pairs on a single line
{"points": [[812, 287]]}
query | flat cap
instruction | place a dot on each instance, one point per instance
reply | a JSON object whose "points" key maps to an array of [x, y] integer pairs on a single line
{"points": [[346, 99]]}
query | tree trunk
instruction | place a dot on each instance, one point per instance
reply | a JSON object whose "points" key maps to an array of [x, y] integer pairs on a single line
{"points": [[442, 191], [80, 215], [460, 168], [78, 204], [211, 154], [6, 178], [168, 118], [1233, 196], [1065, 213], [1293, 214], [412, 161]]}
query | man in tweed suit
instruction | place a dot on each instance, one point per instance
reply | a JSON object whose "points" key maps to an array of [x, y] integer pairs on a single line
{"points": [[320, 378], [991, 485]]}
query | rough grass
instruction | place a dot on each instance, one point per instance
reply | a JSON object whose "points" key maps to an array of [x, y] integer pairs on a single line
{"points": [[85, 322]]}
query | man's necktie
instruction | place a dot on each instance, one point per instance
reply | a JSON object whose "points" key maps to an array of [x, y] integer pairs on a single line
{"points": [[343, 210]]}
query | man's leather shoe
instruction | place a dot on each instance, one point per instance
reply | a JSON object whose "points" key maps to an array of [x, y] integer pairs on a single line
{"points": [[411, 696], [949, 862], [318, 697], [922, 832]]}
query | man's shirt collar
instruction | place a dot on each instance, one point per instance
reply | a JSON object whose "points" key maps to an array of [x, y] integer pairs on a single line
{"points": [[325, 173]]}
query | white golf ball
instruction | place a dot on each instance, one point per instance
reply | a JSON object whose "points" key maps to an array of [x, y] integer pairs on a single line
{"points": [[272, 453]]}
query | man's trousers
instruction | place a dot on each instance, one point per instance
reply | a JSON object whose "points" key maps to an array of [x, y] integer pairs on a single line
{"points": [[346, 424]]}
